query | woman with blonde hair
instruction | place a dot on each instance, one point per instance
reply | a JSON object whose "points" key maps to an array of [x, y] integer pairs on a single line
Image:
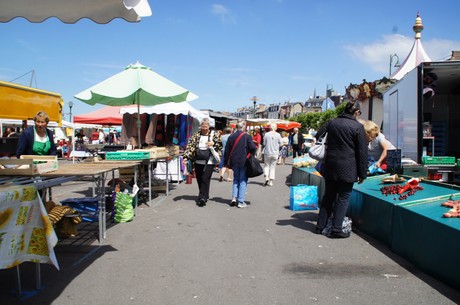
{"points": [[283, 148], [272, 143], [378, 145], [37, 139]]}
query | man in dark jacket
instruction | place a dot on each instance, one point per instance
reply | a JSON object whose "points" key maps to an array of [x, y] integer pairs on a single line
{"points": [[345, 163], [296, 141], [239, 144]]}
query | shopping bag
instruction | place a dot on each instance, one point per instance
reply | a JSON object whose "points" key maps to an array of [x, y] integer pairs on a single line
{"points": [[215, 156], [318, 151], [124, 210], [373, 169], [346, 225], [253, 168], [189, 178], [303, 197]]}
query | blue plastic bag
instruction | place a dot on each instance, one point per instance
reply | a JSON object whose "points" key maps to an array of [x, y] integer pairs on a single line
{"points": [[303, 197], [375, 170]]}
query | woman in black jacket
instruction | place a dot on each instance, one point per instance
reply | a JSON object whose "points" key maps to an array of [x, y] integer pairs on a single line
{"points": [[345, 163]]}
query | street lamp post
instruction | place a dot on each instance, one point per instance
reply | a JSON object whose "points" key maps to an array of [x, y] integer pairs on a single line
{"points": [[254, 100], [391, 62], [70, 111]]}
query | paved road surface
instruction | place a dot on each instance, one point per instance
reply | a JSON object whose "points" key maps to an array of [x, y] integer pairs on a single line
{"points": [[175, 253]]}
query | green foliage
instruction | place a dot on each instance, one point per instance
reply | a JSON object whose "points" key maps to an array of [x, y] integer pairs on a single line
{"points": [[317, 119]]}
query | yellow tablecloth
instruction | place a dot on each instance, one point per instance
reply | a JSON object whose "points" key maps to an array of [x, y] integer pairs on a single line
{"points": [[26, 234]]}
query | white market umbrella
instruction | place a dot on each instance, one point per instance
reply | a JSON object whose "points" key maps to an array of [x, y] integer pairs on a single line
{"points": [[136, 85], [71, 11]]}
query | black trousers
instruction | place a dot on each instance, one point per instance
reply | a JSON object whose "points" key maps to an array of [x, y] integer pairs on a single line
{"points": [[296, 150], [335, 202], [203, 177]]}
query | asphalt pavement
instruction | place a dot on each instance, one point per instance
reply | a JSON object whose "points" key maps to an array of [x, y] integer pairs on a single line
{"points": [[176, 253]]}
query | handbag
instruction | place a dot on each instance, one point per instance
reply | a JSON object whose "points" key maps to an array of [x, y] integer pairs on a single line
{"points": [[303, 197], [203, 154], [253, 168], [215, 155], [318, 151]]}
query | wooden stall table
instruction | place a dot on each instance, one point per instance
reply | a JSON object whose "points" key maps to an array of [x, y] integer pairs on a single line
{"points": [[99, 171]]}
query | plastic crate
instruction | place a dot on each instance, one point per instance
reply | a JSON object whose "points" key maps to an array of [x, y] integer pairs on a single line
{"points": [[87, 207], [427, 160], [127, 155]]}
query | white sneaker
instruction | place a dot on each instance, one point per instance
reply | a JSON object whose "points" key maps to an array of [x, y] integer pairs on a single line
{"points": [[270, 183], [242, 205]]}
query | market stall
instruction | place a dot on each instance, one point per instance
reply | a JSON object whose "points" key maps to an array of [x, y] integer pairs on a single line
{"points": [[164, 124], [411, 224]]}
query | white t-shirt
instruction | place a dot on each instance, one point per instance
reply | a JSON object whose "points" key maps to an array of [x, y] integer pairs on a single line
{"points": [[272, 143], [375, 146], [203, 146], [284, 141]]}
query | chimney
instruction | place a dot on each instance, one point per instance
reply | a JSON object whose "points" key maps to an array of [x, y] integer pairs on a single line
{"points": [[455, 55]]}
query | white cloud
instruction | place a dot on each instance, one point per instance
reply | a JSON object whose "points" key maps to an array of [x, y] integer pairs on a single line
{"points": [[225, 15], [105, 66], [377, 54], [238, 69], [26, 45]]}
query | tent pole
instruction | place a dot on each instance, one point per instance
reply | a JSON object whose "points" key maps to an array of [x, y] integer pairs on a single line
{"points": [[139, 143]]}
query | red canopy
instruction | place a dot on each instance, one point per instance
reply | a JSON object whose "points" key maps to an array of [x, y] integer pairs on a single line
{"points": [[109, 115], [288, 126]]}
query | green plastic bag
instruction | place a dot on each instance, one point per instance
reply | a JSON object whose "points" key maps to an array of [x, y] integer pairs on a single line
{"points": [[124, 210]]}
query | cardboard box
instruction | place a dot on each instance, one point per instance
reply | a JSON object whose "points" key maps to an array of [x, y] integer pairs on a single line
{"points": [[28, 165]]}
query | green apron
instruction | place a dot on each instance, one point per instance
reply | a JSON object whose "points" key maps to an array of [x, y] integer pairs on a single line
{"points": [[41, 148]]}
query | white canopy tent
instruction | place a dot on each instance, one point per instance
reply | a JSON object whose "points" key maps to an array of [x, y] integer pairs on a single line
{"points": [[71, 11], [171, 108]]}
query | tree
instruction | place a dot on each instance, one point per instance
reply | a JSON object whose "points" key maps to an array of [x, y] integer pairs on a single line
{"points": [[315, 120]]}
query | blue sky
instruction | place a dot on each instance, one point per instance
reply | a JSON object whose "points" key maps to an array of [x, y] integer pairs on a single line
{"points": [[226, 52]]}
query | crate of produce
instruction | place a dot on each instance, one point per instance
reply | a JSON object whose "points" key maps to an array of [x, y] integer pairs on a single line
{"points": [[415, 171], [28, 165], [127, 155], [87, 207], [442, 160]]}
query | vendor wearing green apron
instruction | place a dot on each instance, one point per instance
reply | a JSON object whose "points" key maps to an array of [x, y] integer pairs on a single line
{"points": [[38, 139]]}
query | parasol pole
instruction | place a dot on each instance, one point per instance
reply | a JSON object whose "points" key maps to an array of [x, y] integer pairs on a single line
{"points": [[139, 143]]}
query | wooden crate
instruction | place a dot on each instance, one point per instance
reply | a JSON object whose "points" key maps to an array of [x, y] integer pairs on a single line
{"points": [[28, 165], [156, 152]]}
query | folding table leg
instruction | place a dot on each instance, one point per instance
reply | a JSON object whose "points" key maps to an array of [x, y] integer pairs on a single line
{"points": [[38, 276], [18, 282]]}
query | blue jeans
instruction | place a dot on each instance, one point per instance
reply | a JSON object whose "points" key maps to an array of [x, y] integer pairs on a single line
{"points": [[240, 182]]}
